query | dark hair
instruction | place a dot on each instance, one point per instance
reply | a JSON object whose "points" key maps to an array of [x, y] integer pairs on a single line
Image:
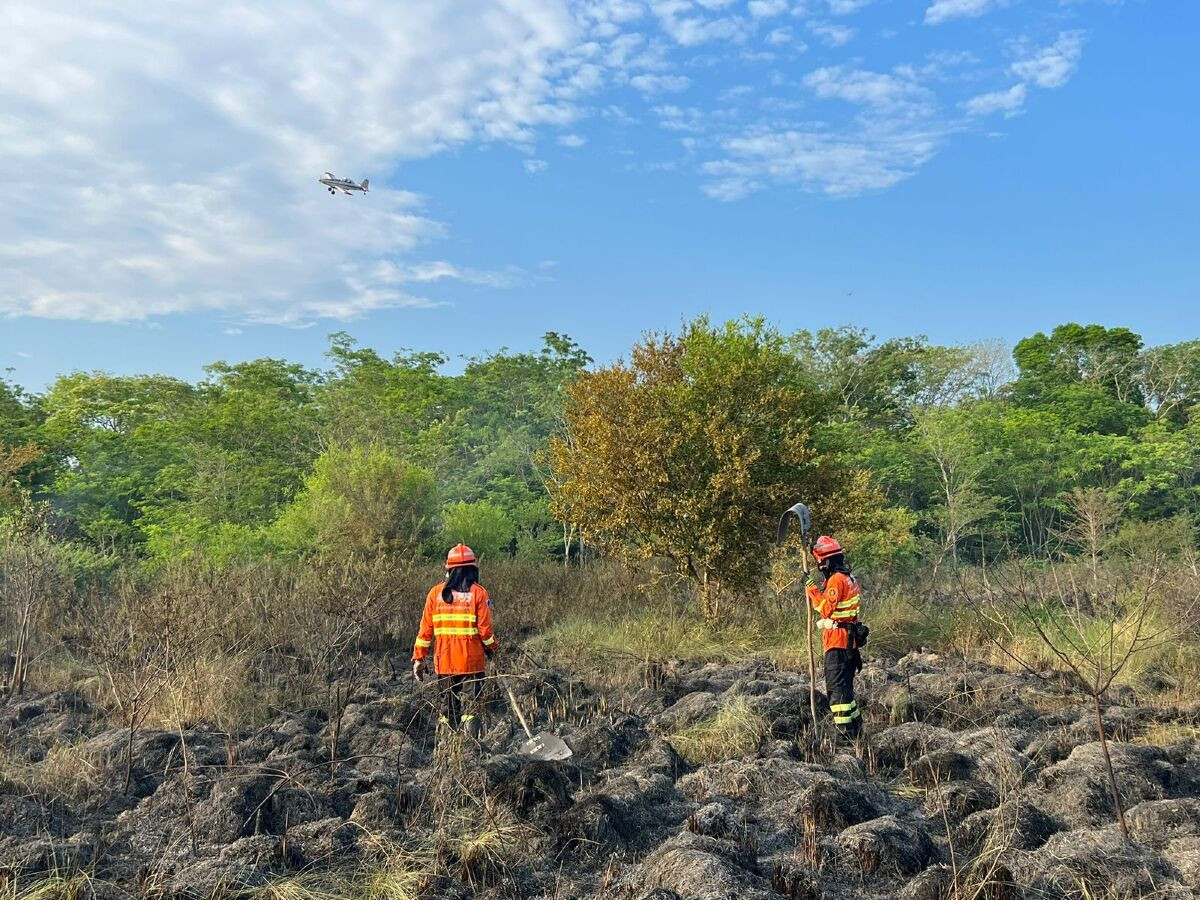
{"points": [[835, 563], [460, 579]]}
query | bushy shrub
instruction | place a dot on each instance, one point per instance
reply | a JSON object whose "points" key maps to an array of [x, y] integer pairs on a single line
{"points": [[359, 501]]}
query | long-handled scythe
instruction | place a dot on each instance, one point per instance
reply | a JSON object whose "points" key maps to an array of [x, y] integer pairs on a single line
{"points": [[801, 514]]}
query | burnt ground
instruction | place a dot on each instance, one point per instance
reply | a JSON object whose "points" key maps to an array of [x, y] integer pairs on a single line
{"points": [[969, 771]]}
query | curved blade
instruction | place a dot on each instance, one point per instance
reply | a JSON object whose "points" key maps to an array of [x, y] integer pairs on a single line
{"points": [[800, 511], [546, 747]]}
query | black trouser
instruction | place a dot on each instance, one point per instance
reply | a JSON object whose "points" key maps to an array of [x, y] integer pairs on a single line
{"points": [[840, 666], [461, 695]]}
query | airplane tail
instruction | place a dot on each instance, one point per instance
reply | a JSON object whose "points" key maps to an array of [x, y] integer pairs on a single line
{"points": [[366, 181]]}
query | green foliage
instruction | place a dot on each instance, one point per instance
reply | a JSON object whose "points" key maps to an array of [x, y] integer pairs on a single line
{"points": [[359, 501], [688, 452], [483, 526], [972, 457]]}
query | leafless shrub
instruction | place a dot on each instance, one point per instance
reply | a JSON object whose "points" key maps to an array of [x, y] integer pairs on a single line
{"points": [[1092, 628], [31, 578]]}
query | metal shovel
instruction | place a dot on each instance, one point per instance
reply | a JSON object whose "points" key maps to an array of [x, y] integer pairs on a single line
{"points": [[543, 746]]}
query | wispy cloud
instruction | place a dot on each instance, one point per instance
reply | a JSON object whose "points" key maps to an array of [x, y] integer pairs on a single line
{"points": [[763, 9], [1052, 66], [1008, 102], [535, 166], [944, 10], [819, 160], [660, 84], [847, 7], [832, 34], [1047, 67]]}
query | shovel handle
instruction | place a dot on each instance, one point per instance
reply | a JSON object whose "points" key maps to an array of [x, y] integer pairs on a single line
{"points": [[517, 710]]}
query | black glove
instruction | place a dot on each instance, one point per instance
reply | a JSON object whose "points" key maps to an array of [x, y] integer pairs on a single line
{"points": [[812, 580], [488, 651]]}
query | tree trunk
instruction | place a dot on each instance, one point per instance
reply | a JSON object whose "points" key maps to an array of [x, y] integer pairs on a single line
{"points": [[1112, 778], [16, 685]]}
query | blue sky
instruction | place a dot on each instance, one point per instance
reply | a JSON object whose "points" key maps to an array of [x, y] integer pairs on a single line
{"points": [[964, 169]]}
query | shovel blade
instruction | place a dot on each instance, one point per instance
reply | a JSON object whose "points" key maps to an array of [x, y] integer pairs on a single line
{"points": [[546, 747]]}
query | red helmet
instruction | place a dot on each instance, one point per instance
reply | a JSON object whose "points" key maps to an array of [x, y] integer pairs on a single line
{"points": [[826, 547], [462, 555]]}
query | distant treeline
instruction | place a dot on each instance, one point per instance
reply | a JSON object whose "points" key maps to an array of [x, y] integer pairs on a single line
{"points": [[981, 448]]}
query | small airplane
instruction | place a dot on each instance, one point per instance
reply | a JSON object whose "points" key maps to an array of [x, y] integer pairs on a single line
{"points": [[334, 184]]}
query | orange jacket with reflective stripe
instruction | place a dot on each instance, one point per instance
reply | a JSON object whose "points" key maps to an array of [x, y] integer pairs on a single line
{"points": [[839, 601], [461, 629]]}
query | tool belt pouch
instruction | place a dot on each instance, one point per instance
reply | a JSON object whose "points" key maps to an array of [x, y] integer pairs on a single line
{"points": [[857, 632]]}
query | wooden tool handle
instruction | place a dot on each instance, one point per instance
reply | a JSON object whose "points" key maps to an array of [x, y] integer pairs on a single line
{"points": [[517, 710]]}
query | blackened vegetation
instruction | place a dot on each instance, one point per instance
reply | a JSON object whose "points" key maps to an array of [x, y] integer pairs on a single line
{"points": [[1004, 795]]}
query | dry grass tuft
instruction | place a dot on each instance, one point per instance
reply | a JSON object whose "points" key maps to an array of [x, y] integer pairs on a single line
{"points": [[54, 886], [485, 843], [1164, 734], [737, 730], [397, 874], [67, 772]]}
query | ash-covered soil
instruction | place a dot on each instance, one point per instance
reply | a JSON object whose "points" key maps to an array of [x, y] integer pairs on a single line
{"points": [[968, 771]]}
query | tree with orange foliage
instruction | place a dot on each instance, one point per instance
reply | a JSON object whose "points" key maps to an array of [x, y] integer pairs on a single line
{"points": [[687, 453]]}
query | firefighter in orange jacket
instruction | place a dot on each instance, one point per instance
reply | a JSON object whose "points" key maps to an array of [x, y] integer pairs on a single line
{"points": [[837, 605], [458, 616]]}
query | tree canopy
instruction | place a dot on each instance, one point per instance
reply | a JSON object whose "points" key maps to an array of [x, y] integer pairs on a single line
{"points": [[685, 451]]}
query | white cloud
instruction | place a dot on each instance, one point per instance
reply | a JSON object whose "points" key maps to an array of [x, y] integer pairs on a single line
{"points": [[660, 84], [891, 93], [232, 331], [833, 35], [847, 7], [818, 160], [945, 10], [390, 273], [177, 146], [685, 22], [762, 9], [1008, 102], [1052, 66]]}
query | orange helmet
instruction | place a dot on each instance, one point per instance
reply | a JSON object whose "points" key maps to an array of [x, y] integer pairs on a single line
{"points": [[462, 555], [826, 547]]}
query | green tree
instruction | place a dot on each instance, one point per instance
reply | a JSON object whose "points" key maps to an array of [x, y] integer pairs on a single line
{"points": [[113, 438], [485, 527], [949, 443], [1088, 375], [359, 501]]}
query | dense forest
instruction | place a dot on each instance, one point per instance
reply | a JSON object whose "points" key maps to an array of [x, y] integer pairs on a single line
{"points": [[975, 450]]}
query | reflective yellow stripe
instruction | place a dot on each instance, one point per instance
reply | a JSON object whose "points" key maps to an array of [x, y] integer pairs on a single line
{"points": [[490, 641], [843, 707], [845, 615], [439, 632], [421, 643], [453, 617]]}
